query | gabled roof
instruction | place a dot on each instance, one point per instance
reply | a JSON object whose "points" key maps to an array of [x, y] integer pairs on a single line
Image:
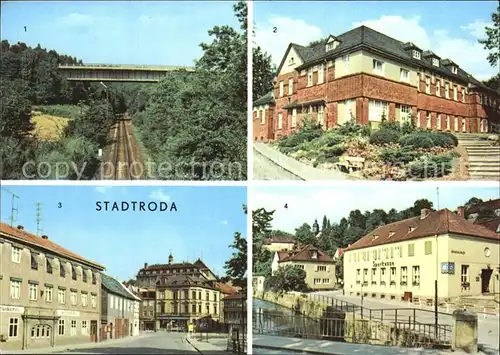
{"points": [[366, 38], [435, 223], [266, 99], [225, 288], [279, 239], [115, 287], [492, 224], [185, 280], [490, 204], [289, 48], [201, 264], [304, 254], [46, 245]]}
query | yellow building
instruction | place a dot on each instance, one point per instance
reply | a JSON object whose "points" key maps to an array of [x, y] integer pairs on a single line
{"points": [[402, 260], [319, 267], [279, 243]]}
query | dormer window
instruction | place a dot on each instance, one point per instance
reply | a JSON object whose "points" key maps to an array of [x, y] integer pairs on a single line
{"points": [[454, 70], [415, 54], [331, 43], [435, 62], [314, 254], [329, 46]]}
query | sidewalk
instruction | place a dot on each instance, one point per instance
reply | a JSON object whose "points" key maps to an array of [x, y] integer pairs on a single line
{"points": [[69, 347], [322, 347], [204, 347], [304, 171]]}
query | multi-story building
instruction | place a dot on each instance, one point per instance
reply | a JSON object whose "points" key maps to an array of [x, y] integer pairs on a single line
{"points": [[225, 290], [235, 309], [402, 260], [319, 266], [136, 311], [279, 243], [184, 299], [118, 308], [150, 274], [147, 309], [49, 295], [364, 75]]}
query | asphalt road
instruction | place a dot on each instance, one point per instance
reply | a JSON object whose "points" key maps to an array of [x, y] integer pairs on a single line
{"points": [[265, 169]]}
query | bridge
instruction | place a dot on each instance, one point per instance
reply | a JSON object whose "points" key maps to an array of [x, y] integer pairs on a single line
{"points": [[118, 73]]}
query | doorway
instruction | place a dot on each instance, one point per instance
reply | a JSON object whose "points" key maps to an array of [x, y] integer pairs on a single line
{"points": [[485, 280], [93, 331]]}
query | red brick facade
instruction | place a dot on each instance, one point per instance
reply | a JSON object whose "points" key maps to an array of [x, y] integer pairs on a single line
{"points": [[263, 128], [362, 88]]}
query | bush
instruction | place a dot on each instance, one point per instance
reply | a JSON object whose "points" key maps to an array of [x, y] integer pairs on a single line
{"points": [[426, 139], [384, 136], [68, 111], [351, 128], [396, 156], [453, 138], [431, 167]]}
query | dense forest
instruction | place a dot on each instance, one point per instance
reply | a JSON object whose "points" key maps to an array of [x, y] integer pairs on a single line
{"points": [[194, 123], [328, 236]]}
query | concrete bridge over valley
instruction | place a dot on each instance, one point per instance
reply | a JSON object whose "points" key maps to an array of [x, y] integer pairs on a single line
{"points": [[119, 73]]}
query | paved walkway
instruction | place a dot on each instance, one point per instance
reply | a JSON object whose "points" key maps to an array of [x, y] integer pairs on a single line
{"points": [[303, 171], [266, 169], [212, 346], [284, 345]]}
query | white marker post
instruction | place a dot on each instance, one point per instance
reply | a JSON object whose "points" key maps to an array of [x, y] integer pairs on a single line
{"points": [[100, 152]]}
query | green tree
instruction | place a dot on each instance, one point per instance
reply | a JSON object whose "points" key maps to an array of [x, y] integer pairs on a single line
{"points": [[15, 113], [264, 72], [339, 269], [236, 267], [492, 41], [261, 229], [286, 279], [304, 234]]}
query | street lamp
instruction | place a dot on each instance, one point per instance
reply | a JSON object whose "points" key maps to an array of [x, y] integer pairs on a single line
{"points": [[107, 92]]}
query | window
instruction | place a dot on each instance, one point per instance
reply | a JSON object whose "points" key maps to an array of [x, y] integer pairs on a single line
{"points": [[438, 121], [215, 309], [74, 298], [320, 115], [438, 87], [392, 276], [84, 299], [428, 120], [382, 275], [435, 62], [464, 275], [345, 60], [326, 281], [48, 266], [290, 86], [358, 274], [374, 272], [61, 295], [464, 127], [365, 276], [309, 77], [416, 275], [207, 308], [378, 67], [16, 255], [376, 110], [15, 289], [454, 70], [405, 113], [62, 270], [404, 75], [193, 308], [416, 54], [448, 122], [94, 280], [84, 275], [60, 327], [456, 123], [320, 268], [321, 74], [72, 330], [428, 247], [281, 88], [280, 120], [294, 117], [427, 84], [330, 46], [13, 327], [33, 291], [411, 249], [291, 61], [48, 293], [84, 327], [447, 90], [455, 93], [34, 261]]}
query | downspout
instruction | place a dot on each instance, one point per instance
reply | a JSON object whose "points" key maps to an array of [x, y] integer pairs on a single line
{"points": [[326, 94]]}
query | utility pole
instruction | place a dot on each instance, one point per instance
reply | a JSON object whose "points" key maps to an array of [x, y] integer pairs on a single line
{"points": [[13, 209], [38, 218], [436, 281]]}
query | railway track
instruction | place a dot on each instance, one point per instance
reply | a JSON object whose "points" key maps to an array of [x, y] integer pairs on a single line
{"points": [[123, 157]]}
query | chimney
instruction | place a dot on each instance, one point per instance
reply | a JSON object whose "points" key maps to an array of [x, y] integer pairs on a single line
{"points": [[424, 212], [145, 265], [461, 211], [45, 237], [20, 227]]}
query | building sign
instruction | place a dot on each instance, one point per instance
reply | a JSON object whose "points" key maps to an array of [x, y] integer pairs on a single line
{"points": [[448, 268], [11, 309], [383, 263], [458, 252], [65, 313]]}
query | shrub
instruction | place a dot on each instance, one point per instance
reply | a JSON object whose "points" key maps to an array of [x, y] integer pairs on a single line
{"points": [[333, 151], [453, 138], [426, 139], [429, 167], [351, 128], [395, 156], [309, 131], [384, 136]]}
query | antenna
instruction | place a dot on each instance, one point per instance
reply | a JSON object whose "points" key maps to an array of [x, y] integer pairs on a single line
{"points": [[38, 218], [14, 210], [437, 192]]}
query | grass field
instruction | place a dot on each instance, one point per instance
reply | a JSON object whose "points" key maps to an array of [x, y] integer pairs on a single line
{"points": [[48, 127]]}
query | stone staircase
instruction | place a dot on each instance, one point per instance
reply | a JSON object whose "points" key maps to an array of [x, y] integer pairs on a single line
{"points": [[484, 156]]}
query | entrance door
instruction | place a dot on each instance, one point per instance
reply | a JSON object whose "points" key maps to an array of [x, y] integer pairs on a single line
{"points": [[485, 280], [93, 331]]}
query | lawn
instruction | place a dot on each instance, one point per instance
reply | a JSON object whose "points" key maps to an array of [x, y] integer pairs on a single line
{"points": [[48, 127]]}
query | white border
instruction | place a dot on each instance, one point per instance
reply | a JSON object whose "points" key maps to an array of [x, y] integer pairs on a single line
{"points": [[119, 183]]}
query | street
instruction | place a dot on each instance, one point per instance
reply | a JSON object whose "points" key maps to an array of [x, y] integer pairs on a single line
{"points": [[264, 169], [488, 326]]}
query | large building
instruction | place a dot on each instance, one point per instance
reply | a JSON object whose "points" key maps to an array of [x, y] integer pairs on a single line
{"points": [[49, 295], [279, 243], [365, 75], [118, 310], [235, 309], [319, 266], [402, 260], [147, 309], [184, 299]]}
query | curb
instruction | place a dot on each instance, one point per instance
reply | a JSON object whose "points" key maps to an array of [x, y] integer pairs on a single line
{"points": [[195, 348], [293, 351]]}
